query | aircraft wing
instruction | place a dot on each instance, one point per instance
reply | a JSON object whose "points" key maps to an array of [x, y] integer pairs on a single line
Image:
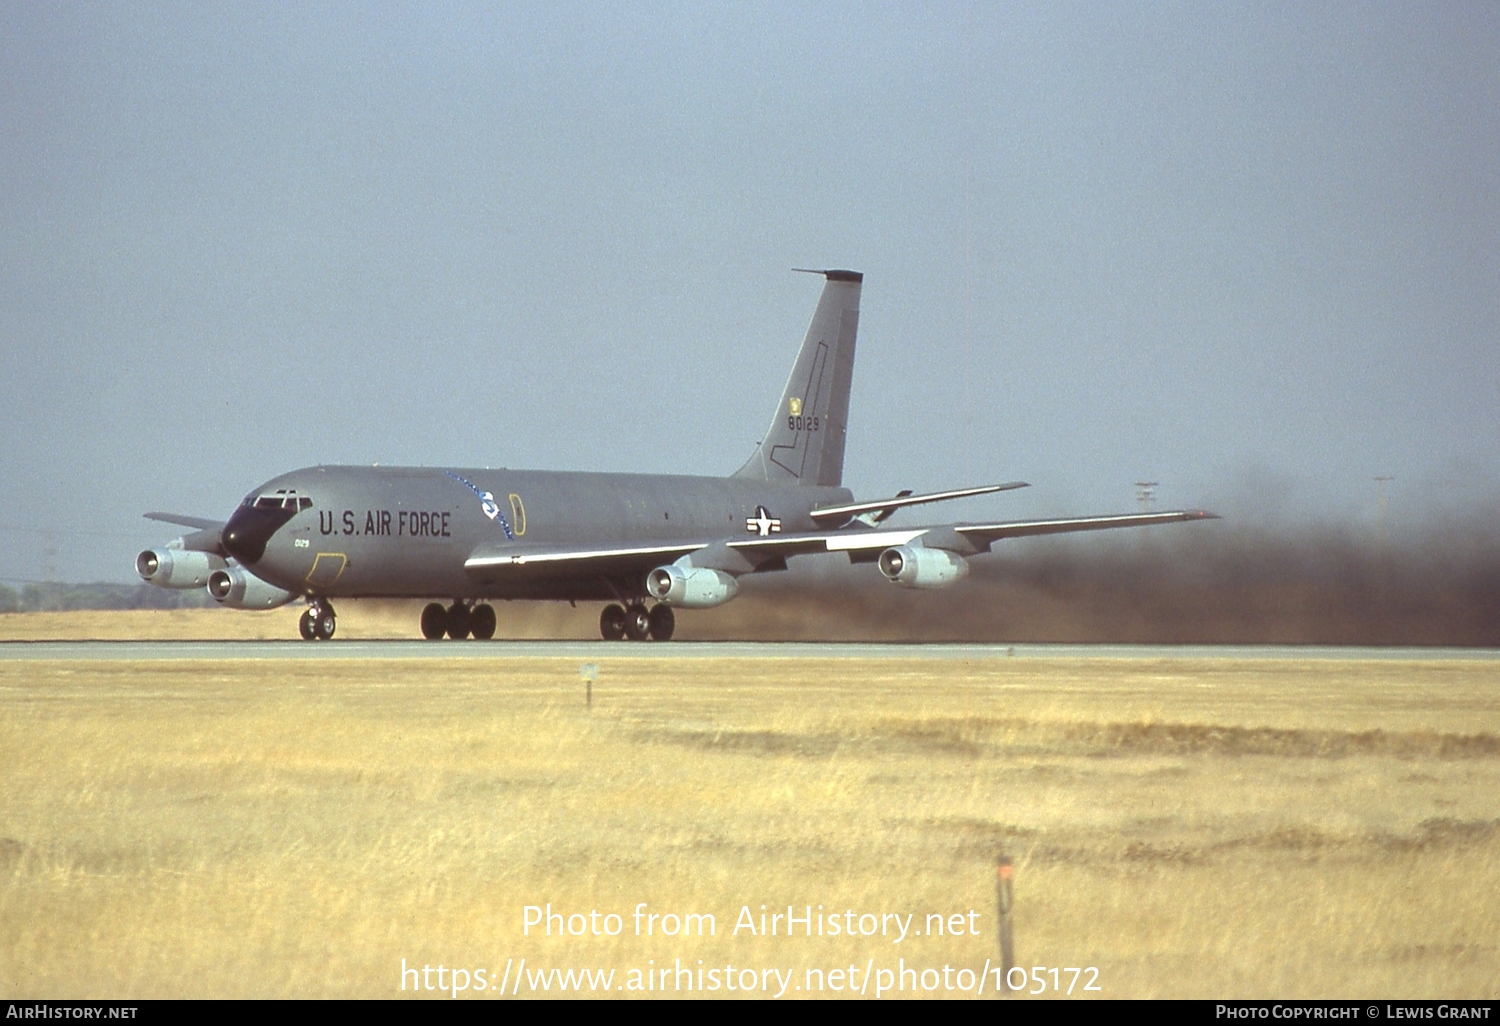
{"points": [[966, 539], [205, 536], [198, 523], [511, 562], [987, 533], [742, 554]]}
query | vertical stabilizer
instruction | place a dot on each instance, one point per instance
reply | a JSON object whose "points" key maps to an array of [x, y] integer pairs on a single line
{"points": [[805, 442]]}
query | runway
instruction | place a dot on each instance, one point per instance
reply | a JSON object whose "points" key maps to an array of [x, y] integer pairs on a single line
{"points": [[586, 650]]}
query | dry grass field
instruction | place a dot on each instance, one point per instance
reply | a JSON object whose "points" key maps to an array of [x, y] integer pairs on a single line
{"points": [[1190, 828], [359, 620]]}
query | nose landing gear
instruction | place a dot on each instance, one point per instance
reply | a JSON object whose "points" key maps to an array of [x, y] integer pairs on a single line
{"points": [[318, 622], [636, 622]]}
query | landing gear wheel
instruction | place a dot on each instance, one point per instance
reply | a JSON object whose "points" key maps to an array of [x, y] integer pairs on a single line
{"points": [[637, 622], [323, 623], [434, 621], [663, 622], [612, 622], [305, 626], [482, 622], [458, 621]]}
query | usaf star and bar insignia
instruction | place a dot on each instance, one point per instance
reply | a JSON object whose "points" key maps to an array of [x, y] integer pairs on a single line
{"points": [[763, 523]]}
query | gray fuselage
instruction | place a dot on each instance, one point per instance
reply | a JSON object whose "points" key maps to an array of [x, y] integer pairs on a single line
{"points": [[405, 532]]}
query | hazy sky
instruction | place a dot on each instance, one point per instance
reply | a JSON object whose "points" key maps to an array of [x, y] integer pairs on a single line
{"points": [[1249, 251]]}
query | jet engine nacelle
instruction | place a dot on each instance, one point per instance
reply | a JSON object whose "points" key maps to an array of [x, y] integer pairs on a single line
{"points": [[177, 568], [913, 566], [237, 588], [691, 587]]}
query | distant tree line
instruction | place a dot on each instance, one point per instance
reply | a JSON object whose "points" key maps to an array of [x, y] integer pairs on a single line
{"points": [[55, 597]]}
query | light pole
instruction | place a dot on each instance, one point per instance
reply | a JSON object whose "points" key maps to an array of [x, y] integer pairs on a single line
{"points": [[1144, 490]]}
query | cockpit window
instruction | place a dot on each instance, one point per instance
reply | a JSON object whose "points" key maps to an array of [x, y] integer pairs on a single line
{"points": [[282, 498]]}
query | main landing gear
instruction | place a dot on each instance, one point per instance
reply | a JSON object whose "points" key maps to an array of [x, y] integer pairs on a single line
{"points": [[458, 621], [636, 623], [317, 622]]}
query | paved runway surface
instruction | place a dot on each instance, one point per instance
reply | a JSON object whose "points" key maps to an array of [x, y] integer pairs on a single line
{"points": [[296, 649]]}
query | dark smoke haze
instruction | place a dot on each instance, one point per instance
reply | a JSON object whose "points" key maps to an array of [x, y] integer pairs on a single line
{"points": [[1215, 585]]}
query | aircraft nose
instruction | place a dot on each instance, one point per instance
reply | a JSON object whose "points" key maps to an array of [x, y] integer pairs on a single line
{"points": [[245, 535]]}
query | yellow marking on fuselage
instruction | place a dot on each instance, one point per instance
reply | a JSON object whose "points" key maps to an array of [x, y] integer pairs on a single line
{"points": [[330, 556]]}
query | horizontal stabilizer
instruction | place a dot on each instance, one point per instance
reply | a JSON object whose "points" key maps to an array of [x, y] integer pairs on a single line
{"points": [[888, 506]]}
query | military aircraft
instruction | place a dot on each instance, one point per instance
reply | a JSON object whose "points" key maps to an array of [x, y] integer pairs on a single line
{"points": [[471, 536]]}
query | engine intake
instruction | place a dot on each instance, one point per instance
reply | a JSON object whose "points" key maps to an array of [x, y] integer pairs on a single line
{"points": [[177, 568], [691, 587], [914, 566], [237, 588]]}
